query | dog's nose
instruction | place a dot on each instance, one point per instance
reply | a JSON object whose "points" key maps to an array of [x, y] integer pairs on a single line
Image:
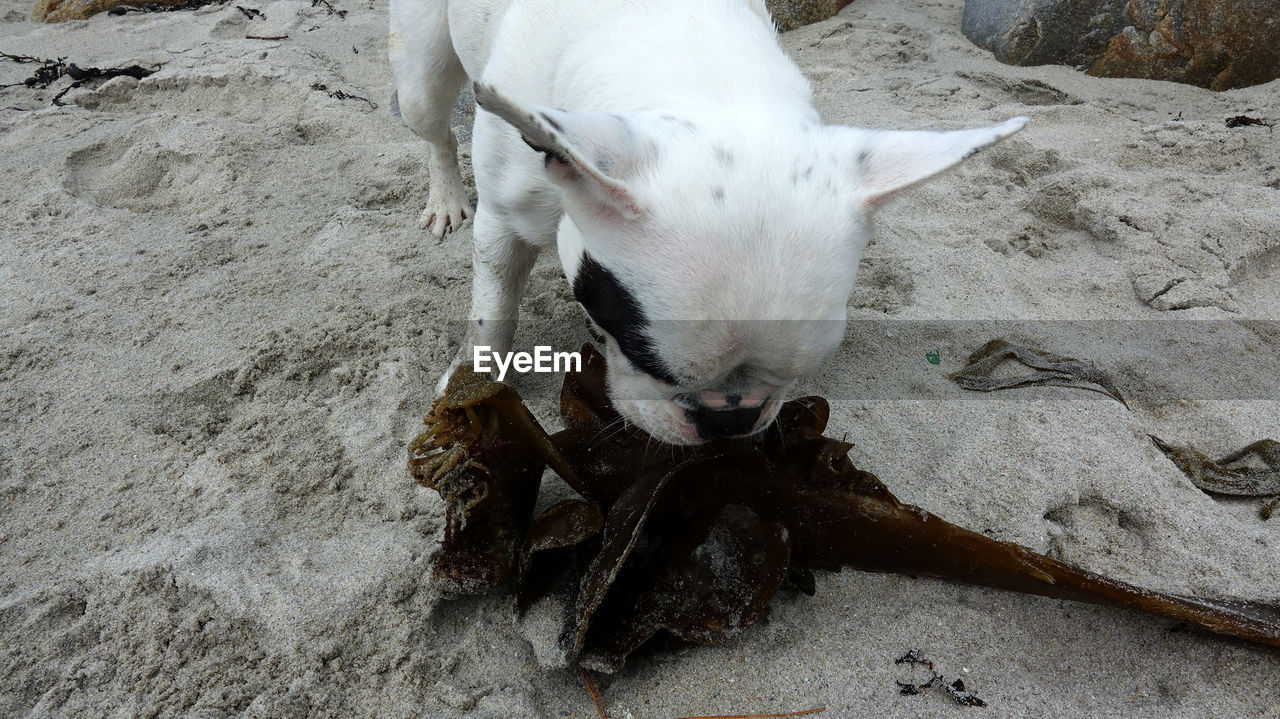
{"points": [[733, 421]]}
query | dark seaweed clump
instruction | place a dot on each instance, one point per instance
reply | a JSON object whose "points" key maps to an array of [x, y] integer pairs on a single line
{"points": [[693, 543], [51, 71]]}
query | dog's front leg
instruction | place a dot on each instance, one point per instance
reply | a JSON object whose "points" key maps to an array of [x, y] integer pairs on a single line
{"points": [[501, 264], [428, 75]]}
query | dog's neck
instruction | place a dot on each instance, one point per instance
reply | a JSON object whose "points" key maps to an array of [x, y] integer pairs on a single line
{"points": [[703, 60]]}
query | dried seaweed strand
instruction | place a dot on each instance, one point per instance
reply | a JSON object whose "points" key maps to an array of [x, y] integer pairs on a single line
{"points": [[1244, 120], [49, 72], [329, 8], [23, 59], [156, 7], [339, 94], [595, 694], [955, 689], [1220, 478], [1051, 369]]}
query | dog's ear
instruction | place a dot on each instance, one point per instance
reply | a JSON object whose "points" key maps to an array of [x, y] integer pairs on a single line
{"points": [[589, 153], [885, 162]]}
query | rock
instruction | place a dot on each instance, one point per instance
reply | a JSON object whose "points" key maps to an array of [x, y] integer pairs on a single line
{"points": [[1041, 32], [1218, 44], [62, 10], [791, 14], [788, 14]]}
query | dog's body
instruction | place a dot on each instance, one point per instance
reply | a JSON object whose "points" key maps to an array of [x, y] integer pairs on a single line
{"points": [[710, 224]]}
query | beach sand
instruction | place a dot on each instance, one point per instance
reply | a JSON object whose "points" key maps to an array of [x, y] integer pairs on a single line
{"points": [[221, 326]]}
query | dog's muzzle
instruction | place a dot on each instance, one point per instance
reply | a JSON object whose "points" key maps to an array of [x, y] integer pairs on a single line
{"points": [[716, 415]]}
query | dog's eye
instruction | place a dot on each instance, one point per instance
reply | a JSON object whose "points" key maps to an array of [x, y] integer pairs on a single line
{"points": [[616, 311]]}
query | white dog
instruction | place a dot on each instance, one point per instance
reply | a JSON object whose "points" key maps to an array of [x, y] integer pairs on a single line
{"points": [[709, 222]]}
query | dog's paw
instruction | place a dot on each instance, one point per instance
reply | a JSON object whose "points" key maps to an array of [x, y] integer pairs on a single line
{"points": [[447, 201], [443, 215], [458, 359], [443, 383]]}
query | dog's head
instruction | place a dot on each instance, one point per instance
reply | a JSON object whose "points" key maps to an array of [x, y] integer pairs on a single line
{"points": [[718, 259]]}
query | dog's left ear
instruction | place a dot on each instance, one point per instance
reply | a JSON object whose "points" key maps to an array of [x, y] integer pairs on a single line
{"points": [[591, 154], [885, 162]]}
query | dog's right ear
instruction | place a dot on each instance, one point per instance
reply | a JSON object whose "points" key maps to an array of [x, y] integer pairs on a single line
{"points": [[886, 162], [591, 154]]}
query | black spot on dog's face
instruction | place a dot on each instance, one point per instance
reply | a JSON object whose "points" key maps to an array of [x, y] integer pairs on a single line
{"points": [[798, 175], [683, 123], [717, 194], [724, 156], [616, 311]]}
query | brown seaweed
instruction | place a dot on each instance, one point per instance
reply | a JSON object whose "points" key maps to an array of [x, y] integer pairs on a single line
{"points": [[482, 451], [1231, 476], [1051, 369], [693, 543]]}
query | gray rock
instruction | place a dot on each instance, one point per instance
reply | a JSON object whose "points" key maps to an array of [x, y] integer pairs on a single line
{"points": [[1218, 44], [1043, 32], [791, 14]]}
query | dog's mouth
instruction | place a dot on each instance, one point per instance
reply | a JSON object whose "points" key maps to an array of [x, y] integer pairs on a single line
{"points": [[661, 419], [691, 417], [670, 422]]}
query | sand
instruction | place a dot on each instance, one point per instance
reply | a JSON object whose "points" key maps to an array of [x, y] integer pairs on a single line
{"points": [[220, 327]]}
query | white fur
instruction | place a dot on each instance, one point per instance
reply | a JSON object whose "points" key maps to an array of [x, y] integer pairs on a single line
{"points": [[678, 146]]}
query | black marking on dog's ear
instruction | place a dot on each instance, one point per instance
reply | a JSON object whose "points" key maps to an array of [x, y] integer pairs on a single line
{"points": [[863, 155], [604, 163], [616, 311], [550, 152], [550, 121]]}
